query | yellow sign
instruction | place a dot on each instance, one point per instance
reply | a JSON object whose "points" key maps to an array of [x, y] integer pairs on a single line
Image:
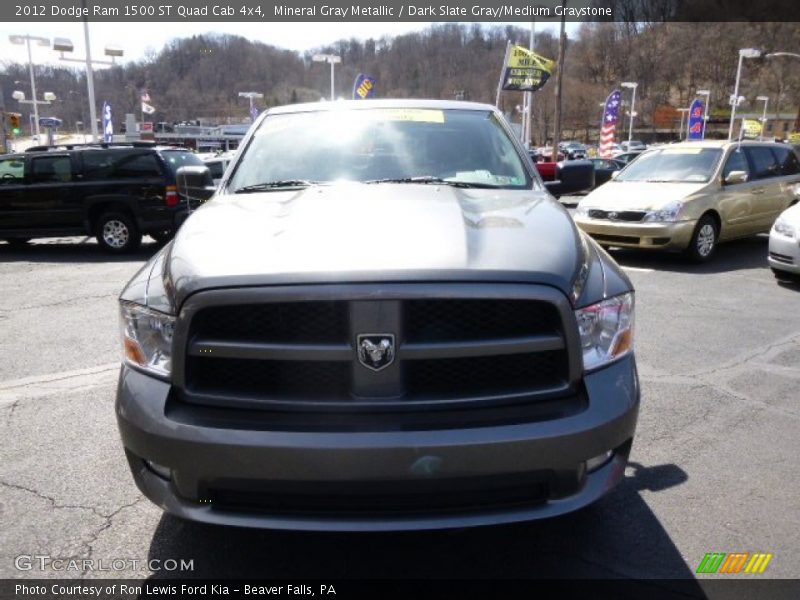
{"points": [[751, 128], [794, 137], [526, 71], [522, 58]]}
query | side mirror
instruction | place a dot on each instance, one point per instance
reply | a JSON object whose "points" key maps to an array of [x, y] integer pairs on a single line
{"points": [[195, 183], [736, 177], [572, 177]]}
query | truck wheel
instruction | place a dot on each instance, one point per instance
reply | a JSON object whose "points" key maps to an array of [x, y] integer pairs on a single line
{"points": [[704, 239], [116, 232], [17, 242]]}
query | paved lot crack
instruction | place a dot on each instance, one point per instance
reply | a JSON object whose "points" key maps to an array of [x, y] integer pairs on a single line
{"points": [[50, 499], [741, 361], [109, 521], [108, 518]]}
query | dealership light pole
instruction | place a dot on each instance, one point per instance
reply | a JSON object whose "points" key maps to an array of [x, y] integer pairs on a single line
{"points": [[19, 96], [683, 111], [774, 54], [65, 45], [251, 96], [332, 59], [527, 129], [707, 94], [633, 85], [765, 100], [40, 41], [736, 99]]}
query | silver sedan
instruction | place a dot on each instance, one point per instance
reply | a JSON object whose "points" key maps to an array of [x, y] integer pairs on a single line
{"points": [[784, 243]]}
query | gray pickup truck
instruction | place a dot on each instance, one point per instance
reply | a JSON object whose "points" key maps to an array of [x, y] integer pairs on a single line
{"points": [[382, 320]]}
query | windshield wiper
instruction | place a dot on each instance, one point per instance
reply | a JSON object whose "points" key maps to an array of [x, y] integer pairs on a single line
{"points": [[274, 185], [429, 179]]}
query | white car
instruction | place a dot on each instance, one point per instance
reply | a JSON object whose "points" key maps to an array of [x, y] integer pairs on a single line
{"points": [[633, 146], [784, 243], [218, 163]]}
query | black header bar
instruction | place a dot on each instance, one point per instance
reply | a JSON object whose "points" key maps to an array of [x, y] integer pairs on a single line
{"points": [[332, 11]]}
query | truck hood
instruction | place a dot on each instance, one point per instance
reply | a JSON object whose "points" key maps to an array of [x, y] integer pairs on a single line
{"points": [[353, 232], [639, 195]]}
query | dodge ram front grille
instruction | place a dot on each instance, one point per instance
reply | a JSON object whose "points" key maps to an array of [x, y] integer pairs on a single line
{"points": [[350, 348], [447, 320], [276, 322]]}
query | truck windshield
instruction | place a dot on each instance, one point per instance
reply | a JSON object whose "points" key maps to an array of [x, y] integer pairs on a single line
{"points": [[674, 165], [405, 145]]}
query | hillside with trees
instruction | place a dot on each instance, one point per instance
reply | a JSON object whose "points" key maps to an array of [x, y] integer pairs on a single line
{"points": [[200, 77]]}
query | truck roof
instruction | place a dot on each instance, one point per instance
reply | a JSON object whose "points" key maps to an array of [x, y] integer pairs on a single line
{"points": [[382, 103]]}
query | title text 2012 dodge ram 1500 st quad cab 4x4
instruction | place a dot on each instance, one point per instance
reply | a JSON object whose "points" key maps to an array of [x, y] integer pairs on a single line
{"points": [[382, 320]]}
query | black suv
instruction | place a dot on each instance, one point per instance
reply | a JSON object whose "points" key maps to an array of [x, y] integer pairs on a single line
{"points": [[117, 192]]}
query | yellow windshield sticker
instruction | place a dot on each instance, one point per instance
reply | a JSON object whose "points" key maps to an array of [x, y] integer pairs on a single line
{"points": [[352, 118], [278, 123], [420, 115], [682, 150]]}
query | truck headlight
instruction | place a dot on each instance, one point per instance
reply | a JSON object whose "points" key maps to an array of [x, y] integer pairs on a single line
{"points": [[667, 214], [606, 330], [146, 338], [783, 228]]}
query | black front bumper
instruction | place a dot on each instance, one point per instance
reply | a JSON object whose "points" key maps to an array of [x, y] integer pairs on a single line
{"points": [[377, 480]]}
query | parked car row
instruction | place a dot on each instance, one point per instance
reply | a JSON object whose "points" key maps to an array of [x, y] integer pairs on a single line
{"points": [[681, 197]]}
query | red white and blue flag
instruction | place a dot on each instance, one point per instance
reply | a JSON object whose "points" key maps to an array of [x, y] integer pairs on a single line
{"points": [[609, 125]]}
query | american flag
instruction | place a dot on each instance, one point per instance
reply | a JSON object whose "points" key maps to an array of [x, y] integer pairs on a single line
{"points": [[609, 124]]}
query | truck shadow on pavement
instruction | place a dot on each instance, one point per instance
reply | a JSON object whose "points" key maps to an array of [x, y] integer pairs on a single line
{"points": [[619, 536], [747, 253], [73, 250]]}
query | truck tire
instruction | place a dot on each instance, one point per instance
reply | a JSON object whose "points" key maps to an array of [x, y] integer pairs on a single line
{"points": [[117, 233]]}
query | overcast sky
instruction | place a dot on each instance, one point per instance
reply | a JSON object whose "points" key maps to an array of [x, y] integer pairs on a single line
{"points": [[136, 38]]}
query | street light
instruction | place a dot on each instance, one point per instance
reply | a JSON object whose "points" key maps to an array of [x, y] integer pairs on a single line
{"points": [[252, 96], [736, 99], [633, 85], [707, 94], [332, 59], [774, 54], [62, 45], [765, 100], [49, 98], [40, 41]]}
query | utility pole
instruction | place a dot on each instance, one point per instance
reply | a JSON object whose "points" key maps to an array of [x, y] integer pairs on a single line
{"points": [[528, 133], [562, 49]]}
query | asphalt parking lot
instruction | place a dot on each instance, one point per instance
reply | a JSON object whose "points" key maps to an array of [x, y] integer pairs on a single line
{"points": [[713, 465]]}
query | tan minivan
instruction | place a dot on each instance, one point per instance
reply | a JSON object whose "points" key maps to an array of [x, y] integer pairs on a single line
{"points": [[691, 195]]}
